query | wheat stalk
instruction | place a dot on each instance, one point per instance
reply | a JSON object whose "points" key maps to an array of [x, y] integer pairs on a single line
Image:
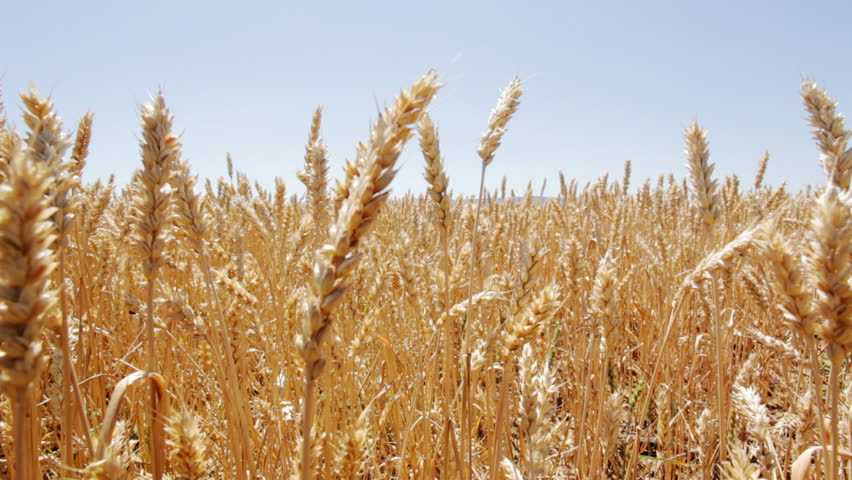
{"points": [[829, 252], [195, 221], [26, 300], [315, 174], [507, 105], [152, 218], [335, 260], [48, 143]]}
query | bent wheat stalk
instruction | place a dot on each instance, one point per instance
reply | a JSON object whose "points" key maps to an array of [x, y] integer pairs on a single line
{"points": [[507, 105]]}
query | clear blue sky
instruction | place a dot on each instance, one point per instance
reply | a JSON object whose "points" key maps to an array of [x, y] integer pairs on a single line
{"points": [[604, 81]]}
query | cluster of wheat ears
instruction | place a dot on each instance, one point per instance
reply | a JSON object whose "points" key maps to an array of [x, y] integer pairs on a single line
{"points": [[679, 329]]}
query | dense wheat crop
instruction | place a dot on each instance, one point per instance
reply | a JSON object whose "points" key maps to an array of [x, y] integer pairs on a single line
{"points": [[684, 327]]}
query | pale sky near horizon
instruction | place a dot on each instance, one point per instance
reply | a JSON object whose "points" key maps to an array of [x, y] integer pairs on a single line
{"points": [[603, 81]]}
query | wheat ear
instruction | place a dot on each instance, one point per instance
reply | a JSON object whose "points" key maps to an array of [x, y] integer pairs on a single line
{"points": [[701, 174], [6, 138], [10, 142], [507, 105], [761, 171], [537, 389], [828, 257], [434, 172], [187, 448], [81, 144], [46, 141], [829, 132], [2, 113], [604, 299]]}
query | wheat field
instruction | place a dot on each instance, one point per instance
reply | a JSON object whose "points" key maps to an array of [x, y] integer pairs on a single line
{"points": [[681, 327]]}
